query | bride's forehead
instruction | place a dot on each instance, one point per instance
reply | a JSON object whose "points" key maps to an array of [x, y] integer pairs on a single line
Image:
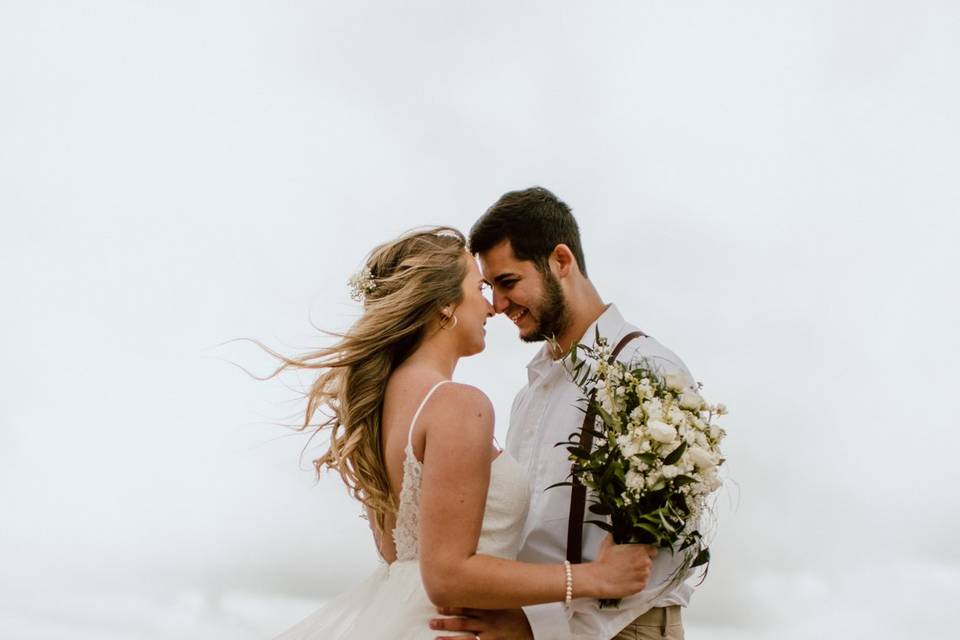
{"points": [[472, 267]]}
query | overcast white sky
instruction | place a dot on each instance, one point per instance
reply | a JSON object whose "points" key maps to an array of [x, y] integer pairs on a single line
{"points": [[769, 188]]}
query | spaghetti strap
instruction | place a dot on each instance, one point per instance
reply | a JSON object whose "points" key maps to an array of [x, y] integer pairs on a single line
{"points": [[423, 403]]}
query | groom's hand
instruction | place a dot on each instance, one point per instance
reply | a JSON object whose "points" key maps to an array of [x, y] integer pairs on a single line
{"points": [[500, 624]]}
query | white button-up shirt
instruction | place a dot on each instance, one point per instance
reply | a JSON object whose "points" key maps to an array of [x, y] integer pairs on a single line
{"points": [[545, 412]]}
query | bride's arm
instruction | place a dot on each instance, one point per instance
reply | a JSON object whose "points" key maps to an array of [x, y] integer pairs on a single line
{"points": [[458, 429]]}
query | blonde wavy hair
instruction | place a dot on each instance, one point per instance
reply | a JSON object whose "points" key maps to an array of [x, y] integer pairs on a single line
{"points": [[416, 275]]}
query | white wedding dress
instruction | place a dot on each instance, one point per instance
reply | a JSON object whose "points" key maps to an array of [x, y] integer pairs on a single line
{"points": [[392, 603]]}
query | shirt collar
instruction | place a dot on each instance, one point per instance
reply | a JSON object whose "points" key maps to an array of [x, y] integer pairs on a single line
{"points": [[540, 365], [610, 325]]}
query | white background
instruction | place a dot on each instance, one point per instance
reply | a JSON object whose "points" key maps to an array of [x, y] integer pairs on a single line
{"points": [[769, 188]]}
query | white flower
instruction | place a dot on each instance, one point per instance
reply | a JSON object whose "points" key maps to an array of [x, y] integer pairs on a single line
{"points": [[661, 432], [690, 399], [654, 408], [676, 416], [670, 471], [361, 284], [634, 480], [702, 458], [628, 446], [711, 482], [676, 381]]}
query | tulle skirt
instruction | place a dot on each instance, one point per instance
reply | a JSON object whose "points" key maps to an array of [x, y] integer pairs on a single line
{"points": [[391, 603]]}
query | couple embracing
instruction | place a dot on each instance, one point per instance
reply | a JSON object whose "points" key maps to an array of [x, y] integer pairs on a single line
{"points": [[473, 545]]}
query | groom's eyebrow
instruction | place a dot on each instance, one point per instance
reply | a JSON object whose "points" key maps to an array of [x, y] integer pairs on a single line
{"points": [[504, 276]]}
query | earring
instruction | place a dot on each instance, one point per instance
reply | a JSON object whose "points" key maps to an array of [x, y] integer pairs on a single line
{"points": [[444, 325]]}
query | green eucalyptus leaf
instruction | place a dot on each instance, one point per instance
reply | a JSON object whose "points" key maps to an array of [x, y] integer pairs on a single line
{"points": [[702, 558], [689, 542], [600, 509], [653, 531], [675, 454], [607, 418]]}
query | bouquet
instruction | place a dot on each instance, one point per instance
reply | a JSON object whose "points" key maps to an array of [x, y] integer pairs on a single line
{"points": [[655, 454]]}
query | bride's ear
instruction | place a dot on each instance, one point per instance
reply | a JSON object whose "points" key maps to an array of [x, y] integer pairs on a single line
{"points": [[447, 318]]}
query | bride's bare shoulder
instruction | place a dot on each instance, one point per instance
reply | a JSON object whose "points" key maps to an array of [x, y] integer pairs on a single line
{"points": [[450, 399], [460, 408], [462, 399]]}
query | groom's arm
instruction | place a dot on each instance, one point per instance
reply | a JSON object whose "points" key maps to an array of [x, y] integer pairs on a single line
{"points": [[548, 621]]}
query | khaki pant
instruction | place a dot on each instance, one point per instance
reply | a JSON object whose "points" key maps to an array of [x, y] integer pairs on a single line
{"points": [[657, 624]]}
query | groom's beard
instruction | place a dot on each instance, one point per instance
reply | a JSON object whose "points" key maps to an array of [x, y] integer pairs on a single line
{"points": [[552, 312]]}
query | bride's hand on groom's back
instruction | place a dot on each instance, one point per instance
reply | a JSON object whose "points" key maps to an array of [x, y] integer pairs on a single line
{"points": [[492, 624], [621, 570]]}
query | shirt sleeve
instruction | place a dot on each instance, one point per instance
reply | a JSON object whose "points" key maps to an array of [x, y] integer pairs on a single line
{"points": [[548, 621]]}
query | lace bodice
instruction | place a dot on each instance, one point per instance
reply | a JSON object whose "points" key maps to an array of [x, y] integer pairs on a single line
{"points": [[504, 513], [405, 533]]}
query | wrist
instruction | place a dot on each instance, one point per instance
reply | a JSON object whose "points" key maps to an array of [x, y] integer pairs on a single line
{"points": [[586, 582]]}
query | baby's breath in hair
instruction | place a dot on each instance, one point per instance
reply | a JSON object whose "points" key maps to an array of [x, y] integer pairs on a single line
{"points": [[361, 284]]}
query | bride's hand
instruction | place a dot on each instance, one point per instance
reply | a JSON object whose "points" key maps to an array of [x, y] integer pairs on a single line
{"points": [[620, 570]]}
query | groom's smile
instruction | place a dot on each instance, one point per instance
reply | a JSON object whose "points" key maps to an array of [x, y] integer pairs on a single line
{"points": [[516, 316]]}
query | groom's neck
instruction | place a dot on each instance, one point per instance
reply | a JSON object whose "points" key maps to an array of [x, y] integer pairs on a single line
{"points": [[584, 306]]}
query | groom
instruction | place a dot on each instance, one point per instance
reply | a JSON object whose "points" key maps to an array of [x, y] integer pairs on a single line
{"points": [[529, 248]]}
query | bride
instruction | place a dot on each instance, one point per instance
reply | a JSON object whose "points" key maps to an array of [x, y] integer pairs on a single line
{"points": [[445, 507]]}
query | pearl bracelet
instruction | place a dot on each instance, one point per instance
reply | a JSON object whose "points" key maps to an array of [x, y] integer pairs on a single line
{"points": [[568, 569]]}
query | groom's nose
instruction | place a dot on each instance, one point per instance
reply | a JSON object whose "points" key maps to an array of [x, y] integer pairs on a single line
{"points": [[500, 302]]}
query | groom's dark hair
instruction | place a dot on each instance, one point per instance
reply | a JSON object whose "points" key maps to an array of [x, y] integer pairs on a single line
{"points": [[534, 221]]}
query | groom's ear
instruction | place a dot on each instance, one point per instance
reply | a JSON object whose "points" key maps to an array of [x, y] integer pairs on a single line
{"points": [[564, 260]]}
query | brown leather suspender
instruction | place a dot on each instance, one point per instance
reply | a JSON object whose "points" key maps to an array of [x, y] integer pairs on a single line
{"points": [[578, 494]]}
